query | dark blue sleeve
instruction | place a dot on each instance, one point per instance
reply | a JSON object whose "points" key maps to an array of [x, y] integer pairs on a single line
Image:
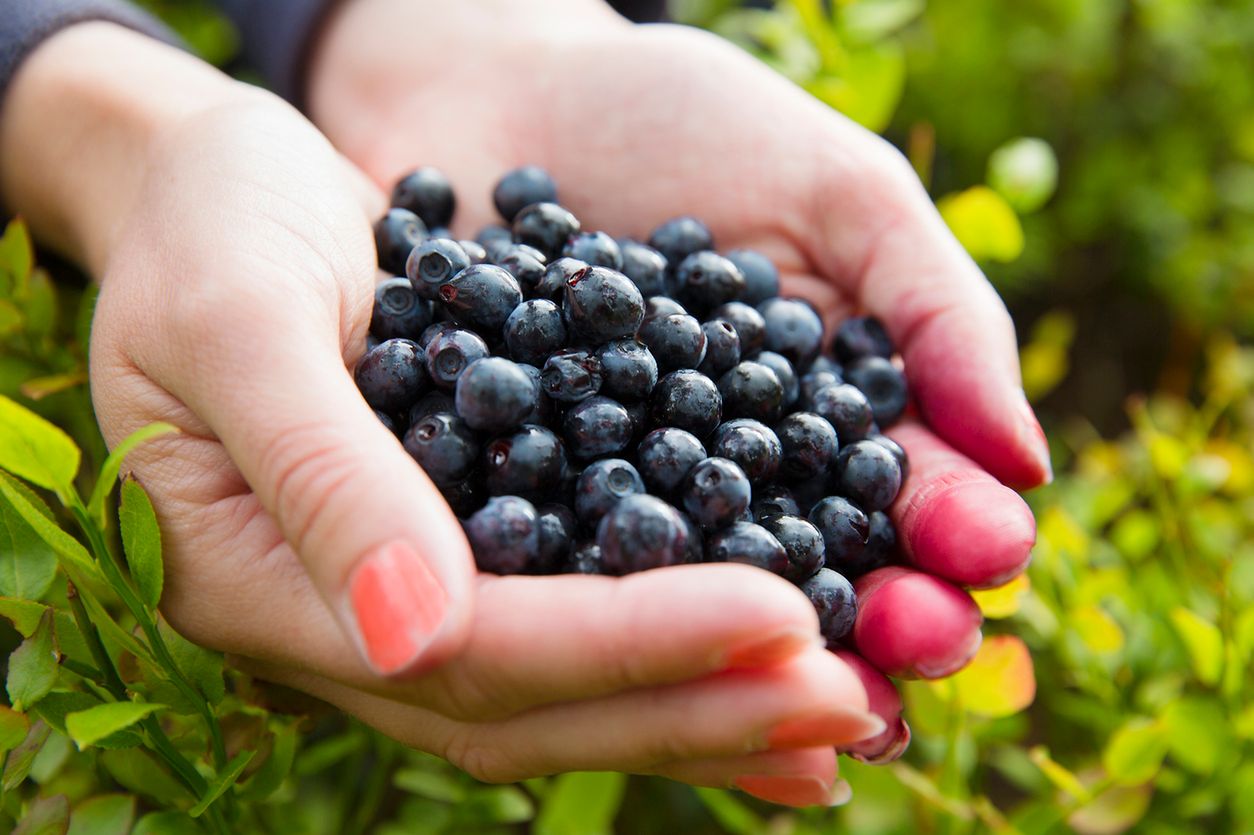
{"points": [[24, 24]]}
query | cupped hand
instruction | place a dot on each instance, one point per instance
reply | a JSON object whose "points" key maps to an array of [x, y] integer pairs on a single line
{"points": [[642, 123], [234, 251]]}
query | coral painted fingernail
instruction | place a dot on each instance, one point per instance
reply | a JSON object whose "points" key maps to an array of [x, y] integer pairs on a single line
{"points": [[840, 726], [1036, 438], [794, 791], [761, 652], [397, 605]]}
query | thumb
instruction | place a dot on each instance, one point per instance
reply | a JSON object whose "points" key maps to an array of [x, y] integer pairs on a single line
{"points": [[373, 532]]}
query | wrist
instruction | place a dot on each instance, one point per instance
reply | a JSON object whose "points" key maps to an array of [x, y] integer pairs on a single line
{"points": [[373, 55], [80, 120]]}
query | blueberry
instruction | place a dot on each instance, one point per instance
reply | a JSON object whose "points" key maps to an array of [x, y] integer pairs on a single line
{"points": [[586, 559], [398, 311], [553, 284], [595, 248], [481, 298], [494, 395], [809, 444], [492, 235], [802, 542], [792, 329], [543, 410], [814, 380], [660, 306], [883, 384], [773, 500], [628, 370], [747, 543], [678, 238], [464, 497], [450, 352], [761, 277], [443, 446], [528, 463], [474, 251], [752, 390], [433, 330], [395, 235], [595, 427], [504, 535], [845, 529], [903, 461], [571, 375], [388, 421], [749, 324], [602, 485], [372, 342], [645, 266], [715, 493], [521, 262], [534, 330], [706, 280], [881, 542], [391, 376], [696, 540], [639, 533], [546, 226], [868, 474], [688, 400], [428, 194], [430, 403], [638, 412], [665, 456], [846, 409], [786, 373], [432, 263], [601, 305], [722, 347], [676, 341], [834, 599], [557, 538], [522, 187], [862, 336], [752, 445]]}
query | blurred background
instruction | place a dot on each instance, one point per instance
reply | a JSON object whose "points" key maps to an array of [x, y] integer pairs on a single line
{"points": [[1097, 158]]}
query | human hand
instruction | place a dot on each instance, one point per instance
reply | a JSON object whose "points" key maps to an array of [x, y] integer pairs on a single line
{"points": [[639, 124], [235, 257]]}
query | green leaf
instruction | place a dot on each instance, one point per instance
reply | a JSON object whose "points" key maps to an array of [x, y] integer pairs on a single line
{"points": [[113, 465], [41, 304], [202, 667], [10, 318], [267, 779], [869, 86], [30, 564], [105, 814], [23, 614], [582, 803], [135, 770], [434, 785], [497, 804], [1025, 172], [61, 703], [141, 540], [17, 256], [13, 729], [46, 816], [86, 727], [37, 388], [74, 557], [732, 815], [1198, 733], [872, 20], [1135, 752], [1204, 642], [983, 223], [223, 782], [36, 450], [328, 752], [33, 666], [167, 823], [19, 761]]}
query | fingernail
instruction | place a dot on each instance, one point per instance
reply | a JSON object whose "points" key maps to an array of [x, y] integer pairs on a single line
{"points": [[1036, 438], [761, 652], [896, 746], [839, 726], [794, 791], [397, 605]]}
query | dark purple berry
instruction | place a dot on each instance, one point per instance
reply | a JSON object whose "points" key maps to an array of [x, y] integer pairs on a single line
{"points": [[747, 543], [628, 370], [868, 474], [752, 445], [474, 251], [722, 348], [528, 463], [391, 375], [428, 194], [521, 262], [834, 599], [903, 461], [676, 341], [395, 236], [504, 535], [433, 330], [761, 277], [522, 187], [688, 400], [398, 311], [809, 445], [749, 324], [773, 500], [586, 559], [464, 497], [534, 330], [553, 284], [639, 533], [450, 352], [430, 403], [388, 421], [752, 390], [595, 427], [815, 380], [481, 298], [706, 280], [881, 542], [443, 446], [601, 305], [557, 538], [602, 485], [432, 263], [662, 306], [571, 375], [715, 493], [883, 384], [665, 456], [862, 336], [802, 542], [846, 409], [546, 226], [495, 395], [845, 529], [678, 238], [792, 329], [645, 266], [492, 235], [595, 248], [786, 373]]}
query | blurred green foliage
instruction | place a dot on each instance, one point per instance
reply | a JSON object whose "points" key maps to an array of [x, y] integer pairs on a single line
{"points": [[1097, 158]]}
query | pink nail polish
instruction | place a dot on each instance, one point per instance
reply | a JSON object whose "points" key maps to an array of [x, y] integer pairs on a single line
{"points": [[1037, 440], [762, 652], [397, 605], [794, 791], [841, 726]]}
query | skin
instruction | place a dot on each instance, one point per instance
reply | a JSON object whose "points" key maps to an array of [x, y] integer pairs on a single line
{"points": [[233, 246]]}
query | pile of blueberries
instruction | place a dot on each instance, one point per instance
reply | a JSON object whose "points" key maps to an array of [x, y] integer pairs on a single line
{"points": [[604, 406]]}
